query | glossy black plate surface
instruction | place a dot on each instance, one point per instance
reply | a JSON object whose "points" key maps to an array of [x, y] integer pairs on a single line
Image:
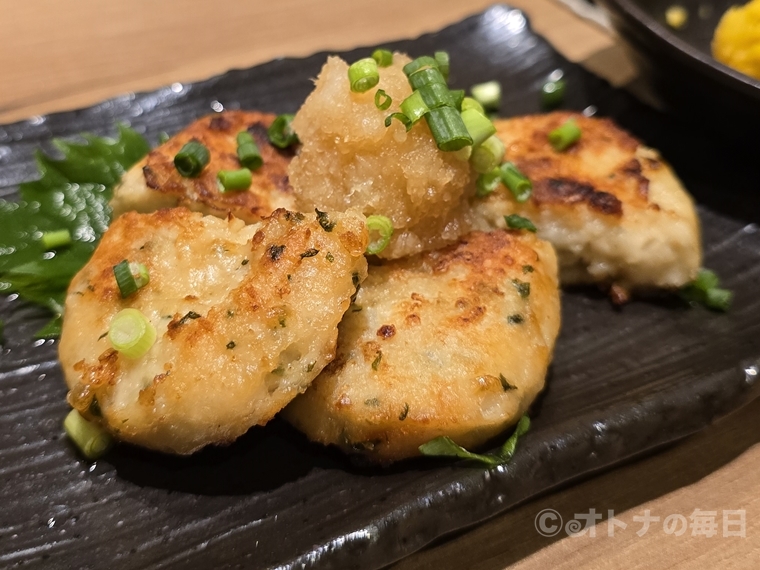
{"points": [[623, 381], [680, 66]]}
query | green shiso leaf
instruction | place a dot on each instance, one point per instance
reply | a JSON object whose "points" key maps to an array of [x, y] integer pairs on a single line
{"points": [[445, 447], [72, 193]]}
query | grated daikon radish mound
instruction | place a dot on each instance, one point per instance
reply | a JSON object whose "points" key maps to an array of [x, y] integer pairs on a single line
{"points": [[349, 158]]}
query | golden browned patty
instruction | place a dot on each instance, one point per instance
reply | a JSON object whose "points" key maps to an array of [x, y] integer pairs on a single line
{"points": [[246, 317], [155, 183], [454, 342], [613, 209]]}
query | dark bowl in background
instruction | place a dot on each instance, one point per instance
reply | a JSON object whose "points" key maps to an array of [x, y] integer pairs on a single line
{"points": [[680, 68]]}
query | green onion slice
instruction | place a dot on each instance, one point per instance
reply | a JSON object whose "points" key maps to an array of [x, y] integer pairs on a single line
{"points": [[130, 277], [281, 133], [54, 239], [564, 136], [248, 151], [426, 77], [363, 75], [163, 136], [131, 333], [403, 119], [478, 125], [234, 180], [705, 290], [552, 94], [516, 181], [383, 226], [487, 94], [488, 155], [448, 129], [442, 59], [515, 222], [457, 96], [470, 103], [487, 183], [419, 64], [91, 440], [191, 159], [414, 107], [436, 95], [383, 57], [382, 100]]}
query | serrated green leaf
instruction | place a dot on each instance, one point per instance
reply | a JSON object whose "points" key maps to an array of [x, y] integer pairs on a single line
{"points": [[71, 193]]}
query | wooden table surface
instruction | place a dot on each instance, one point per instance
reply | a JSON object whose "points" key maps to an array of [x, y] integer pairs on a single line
{"points": [[59, 55]]}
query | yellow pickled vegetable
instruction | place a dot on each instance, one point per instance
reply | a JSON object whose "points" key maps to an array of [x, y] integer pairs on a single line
{"points": [[737, 39]]}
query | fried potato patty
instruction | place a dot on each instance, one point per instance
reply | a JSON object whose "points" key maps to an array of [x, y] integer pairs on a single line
{"points": [[454, 342], [155, 183], [246, 317], [614, 211]]}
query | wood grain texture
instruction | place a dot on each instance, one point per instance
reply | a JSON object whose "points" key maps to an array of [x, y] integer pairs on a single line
{"points": [[62, 56], [58, 56]]}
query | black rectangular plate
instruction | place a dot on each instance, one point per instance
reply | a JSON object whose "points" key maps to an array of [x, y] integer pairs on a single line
{"points": [[623, 381]]}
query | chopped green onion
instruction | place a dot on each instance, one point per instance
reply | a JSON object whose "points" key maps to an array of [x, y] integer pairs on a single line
{"points": [[91, 440], [421, 63], [54, 239], [191, 159], [130, 277], [488, 155], [281, 133], [470, 103], [442, 58], [487, 183], [234, 180], [565, 135], [163, 136], [448, 129], [383, 57], [487, 94], [414, 107], [131, 333], [382, 100], [457, 96], [363, 75], [426, 77], [383, 226], [516, 181], [403, 119], [248, 151], [478, 125], [552, 94], [515, 222], [436, 95], [705, 290]]}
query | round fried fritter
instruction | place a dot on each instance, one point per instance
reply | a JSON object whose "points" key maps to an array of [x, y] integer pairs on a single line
{"points": [[246, 317], [613, 210], [454, 342], [349, 158], [154, 182]]}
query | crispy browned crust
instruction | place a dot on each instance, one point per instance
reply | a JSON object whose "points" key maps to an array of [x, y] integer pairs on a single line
{"points": [[245, 317], [218, 132], [563, 178], [428, 346]]}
